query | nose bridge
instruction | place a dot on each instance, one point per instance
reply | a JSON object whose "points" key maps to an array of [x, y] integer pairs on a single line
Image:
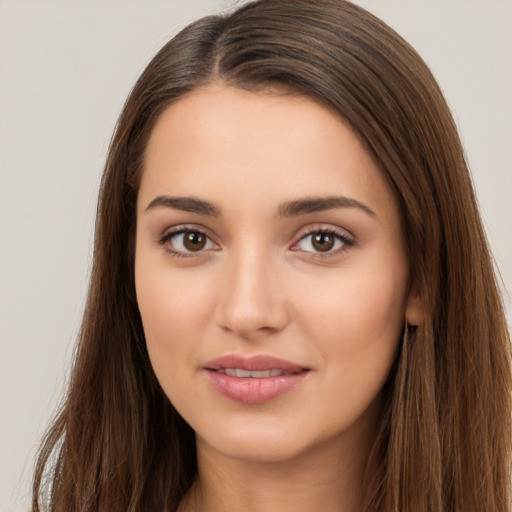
{"points": [[251, 301]]}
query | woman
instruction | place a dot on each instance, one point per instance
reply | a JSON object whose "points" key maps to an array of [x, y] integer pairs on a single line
{"points": [[292, 303]]}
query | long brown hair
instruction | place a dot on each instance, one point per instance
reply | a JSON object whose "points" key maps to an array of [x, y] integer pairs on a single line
{"points": [[444, 442]]}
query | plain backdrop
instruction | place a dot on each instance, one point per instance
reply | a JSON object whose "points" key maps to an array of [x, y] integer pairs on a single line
{"points": [[66, 68]]}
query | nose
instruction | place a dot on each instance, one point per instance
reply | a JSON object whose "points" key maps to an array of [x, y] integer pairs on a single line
{"points": [[252, 303]]}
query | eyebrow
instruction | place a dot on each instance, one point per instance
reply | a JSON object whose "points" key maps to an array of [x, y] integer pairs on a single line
{"points": [[288, 209], [319, 204], [186, 204]]}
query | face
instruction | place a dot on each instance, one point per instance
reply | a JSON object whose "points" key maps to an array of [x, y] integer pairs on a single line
{"points": [[270, 272]]}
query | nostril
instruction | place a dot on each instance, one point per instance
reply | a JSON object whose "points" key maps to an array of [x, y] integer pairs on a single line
{"points": [[250, 303]]}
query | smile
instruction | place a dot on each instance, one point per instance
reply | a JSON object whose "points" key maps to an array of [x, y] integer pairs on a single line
{"points": [[261, 374], [254, 380]]}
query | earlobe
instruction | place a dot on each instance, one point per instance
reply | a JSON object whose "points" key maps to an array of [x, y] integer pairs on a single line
{"points": [[414, 311]]}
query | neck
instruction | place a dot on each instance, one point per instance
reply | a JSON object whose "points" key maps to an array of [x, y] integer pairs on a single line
{"points": [[322, 479]]}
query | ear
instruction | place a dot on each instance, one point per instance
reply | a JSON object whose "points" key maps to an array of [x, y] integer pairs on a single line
{"points": [[414, 309]]}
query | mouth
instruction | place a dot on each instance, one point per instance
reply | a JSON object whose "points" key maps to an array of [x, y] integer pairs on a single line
{"points": [[258, 374], [252, 366], [254, 380]]}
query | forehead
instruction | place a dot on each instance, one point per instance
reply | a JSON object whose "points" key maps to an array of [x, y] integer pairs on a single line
{"points": [[224, 143]]}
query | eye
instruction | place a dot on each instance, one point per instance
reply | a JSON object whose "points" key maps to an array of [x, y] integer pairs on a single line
{"points": [[183, 242], [323, 241]]}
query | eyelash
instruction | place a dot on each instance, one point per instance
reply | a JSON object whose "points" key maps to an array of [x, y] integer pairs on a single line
{"points": [[340, 236], [178, 230], [337, 235]]}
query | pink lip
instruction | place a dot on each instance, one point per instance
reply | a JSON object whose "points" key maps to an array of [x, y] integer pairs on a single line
{"points": [[250, 390], [253, 363]]}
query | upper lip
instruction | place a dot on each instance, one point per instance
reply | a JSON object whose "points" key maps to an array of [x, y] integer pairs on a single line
{"points": [[253, 363]]}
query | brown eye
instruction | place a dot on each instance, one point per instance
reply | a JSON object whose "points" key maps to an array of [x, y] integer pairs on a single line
{"points": [[194, 241], [323, 242], [186, 242]]}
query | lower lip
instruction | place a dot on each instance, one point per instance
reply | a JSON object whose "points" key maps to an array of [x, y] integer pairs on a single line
{"points": [[253, 390]]}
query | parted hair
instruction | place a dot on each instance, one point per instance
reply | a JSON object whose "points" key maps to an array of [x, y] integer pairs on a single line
{"points": [[444, 437]]}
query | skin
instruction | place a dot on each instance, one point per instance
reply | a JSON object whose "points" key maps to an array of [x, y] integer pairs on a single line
{"points": [[259, 286]]}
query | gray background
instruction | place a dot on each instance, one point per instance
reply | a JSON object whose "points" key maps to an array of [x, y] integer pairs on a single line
{"points": [[65, 70]]}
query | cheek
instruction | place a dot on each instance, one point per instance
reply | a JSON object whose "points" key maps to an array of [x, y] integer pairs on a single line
{"points": [[174, 312], [353, 305], [171, 301], [356, 321]]}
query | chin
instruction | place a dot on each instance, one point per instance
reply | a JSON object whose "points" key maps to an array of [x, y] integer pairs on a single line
{"points": [[261, 443], [260, 450]]}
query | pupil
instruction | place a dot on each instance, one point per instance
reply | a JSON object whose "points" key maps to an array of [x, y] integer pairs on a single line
{"points": [[323, 242], [194, 241]]}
